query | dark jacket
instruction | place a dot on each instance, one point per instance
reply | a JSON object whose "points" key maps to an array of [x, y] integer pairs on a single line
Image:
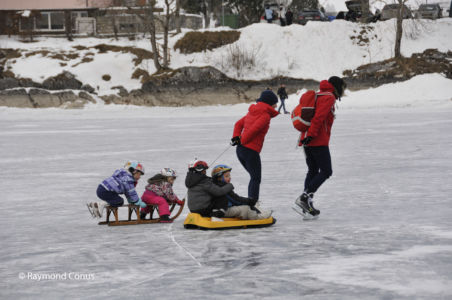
{"points": [[282, 93], [234, 199], [201, 190]]}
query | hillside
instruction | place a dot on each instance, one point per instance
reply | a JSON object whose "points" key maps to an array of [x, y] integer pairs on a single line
{"points": [[311, 52]]}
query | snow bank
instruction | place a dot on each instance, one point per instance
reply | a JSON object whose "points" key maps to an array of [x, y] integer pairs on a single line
{"points": [[315, 51], [430, 90]]}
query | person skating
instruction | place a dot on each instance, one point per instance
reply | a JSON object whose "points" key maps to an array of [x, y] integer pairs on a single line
{"points": [[122, 182], [282, 96], [249, 134], [315, 142]]}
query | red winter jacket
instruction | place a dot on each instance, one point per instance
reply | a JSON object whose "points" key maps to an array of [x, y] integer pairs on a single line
{"points": [[253, 127], [323, 119]]}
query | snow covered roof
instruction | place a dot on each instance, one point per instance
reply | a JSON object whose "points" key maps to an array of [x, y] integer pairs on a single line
{"points": [[52, 4]]}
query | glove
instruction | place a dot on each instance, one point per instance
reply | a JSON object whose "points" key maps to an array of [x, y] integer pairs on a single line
{"points": [[141, 204], [235, 141], [180, 202], [306, 140]]}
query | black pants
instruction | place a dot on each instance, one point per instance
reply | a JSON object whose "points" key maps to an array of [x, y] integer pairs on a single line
{"points": [[217, 203], [318, 160], [251, 161], [111, 197]]}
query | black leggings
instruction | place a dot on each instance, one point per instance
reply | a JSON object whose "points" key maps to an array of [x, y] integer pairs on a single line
{"points": [[318, 160], [251, 161]]}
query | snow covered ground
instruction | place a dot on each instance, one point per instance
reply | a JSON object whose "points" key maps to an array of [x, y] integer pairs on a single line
{"points": [[384, 231], [315, 51]]}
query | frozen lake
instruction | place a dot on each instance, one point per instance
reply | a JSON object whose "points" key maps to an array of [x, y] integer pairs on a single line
{"points": [[385, 229]]}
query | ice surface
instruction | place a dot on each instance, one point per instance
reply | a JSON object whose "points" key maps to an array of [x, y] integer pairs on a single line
{"points": [[384, 230]]}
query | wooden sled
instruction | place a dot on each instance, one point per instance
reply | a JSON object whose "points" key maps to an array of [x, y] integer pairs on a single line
{"points": [[196, 221], [134, 215]]}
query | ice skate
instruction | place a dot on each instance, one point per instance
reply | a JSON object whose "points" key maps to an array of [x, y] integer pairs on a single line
{"points": [[91, 209], [304, 205]]}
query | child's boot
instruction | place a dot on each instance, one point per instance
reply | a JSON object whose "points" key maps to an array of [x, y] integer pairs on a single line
{"points": [[143, 215], [218, 213], [264, 214], [165, 219]]}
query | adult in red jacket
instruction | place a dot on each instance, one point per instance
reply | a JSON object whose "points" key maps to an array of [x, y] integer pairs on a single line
{"points": [[249, 134], [316, 142]]}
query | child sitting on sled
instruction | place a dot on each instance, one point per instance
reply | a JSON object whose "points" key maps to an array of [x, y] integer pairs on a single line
{"points": [[237, 206], [205, 197], [123, 181], [159, 191]]}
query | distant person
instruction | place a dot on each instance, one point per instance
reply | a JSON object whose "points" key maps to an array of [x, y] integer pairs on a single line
{"points": [[315, 143], [282, 15], [282, 96], [268, 14], [249, 134], [289, 17]]}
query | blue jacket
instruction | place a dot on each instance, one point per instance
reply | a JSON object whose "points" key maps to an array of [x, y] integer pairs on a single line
{"points": [[268, 14], [122, 182]]}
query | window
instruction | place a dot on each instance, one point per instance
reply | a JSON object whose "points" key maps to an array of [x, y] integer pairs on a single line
{"points": [[79, 14], [42, 21], [57, 20], [53, 20]]}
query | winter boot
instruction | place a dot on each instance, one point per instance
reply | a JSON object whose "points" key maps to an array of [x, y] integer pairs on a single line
{"points": [[165, 219], [306, 204], [143, 215], [264, 214], [218, 213]]}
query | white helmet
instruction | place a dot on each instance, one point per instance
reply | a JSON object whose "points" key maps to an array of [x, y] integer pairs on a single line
{"points": [[168, 172]]}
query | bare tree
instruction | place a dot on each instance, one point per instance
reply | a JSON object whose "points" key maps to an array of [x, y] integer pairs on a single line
{"points": [[177, 17], [68, 25], [149, 20], [399, 28], [365, 11], [166, 20]]}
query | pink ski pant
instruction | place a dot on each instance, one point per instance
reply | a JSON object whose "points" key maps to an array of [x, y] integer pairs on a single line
{"points": [[153, 199]]}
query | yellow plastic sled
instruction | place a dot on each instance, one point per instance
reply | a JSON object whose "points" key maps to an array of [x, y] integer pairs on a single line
{"points": [[196, 221]]}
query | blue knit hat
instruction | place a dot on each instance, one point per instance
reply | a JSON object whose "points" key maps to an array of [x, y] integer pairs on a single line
{"points": [[268, 97]]}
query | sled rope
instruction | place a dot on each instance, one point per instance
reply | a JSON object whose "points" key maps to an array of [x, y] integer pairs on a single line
{"points": [[227, 148]]}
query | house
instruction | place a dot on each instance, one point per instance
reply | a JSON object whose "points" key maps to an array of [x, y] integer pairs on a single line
{"points": [[78, 17]]}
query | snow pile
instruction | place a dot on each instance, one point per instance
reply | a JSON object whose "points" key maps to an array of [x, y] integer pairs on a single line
{"points": [[431, 90]]}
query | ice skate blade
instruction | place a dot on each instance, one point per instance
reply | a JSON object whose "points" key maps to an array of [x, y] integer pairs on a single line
{"points": [[90, 209], [306, 216]]}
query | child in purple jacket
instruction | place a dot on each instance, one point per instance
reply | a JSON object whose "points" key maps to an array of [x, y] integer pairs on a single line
{"points": [[123, 181]]}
